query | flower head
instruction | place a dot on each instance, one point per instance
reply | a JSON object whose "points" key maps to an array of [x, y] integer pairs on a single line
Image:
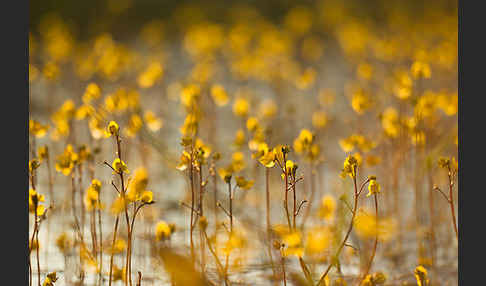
{"points": [[50, 279], [421, 275], [113, 128], [373, 186], [350, 165], [243, 183], [119, 166], [163, 231]]}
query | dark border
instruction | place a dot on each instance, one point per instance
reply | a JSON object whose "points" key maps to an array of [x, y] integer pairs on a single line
{"points": [[14, 153]]}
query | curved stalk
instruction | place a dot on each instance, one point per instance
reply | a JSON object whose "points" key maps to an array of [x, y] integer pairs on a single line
{"points": [[368, 268], [350, 228]]}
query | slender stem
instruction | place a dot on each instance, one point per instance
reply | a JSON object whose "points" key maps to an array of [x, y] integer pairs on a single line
{"points": [[191, 178], [112, 249], [286, 205], [294, 213], [80, 182], [128, 277], [93, 233], [37, 254], [201, 238], [368, 268], [51, 198], [312, 194], [218, 262], [215, 194], [230, 206], [451, 203], [432, 220], [350, 228], [283, 268], [101, 239]]}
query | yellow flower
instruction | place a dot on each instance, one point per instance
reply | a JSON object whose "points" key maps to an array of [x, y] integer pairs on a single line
{"points": [[153, 123], [239, 138], [390, 122], [163, 231], [118, 101], [96, 185], [266, 156], [367, 281], [147, 197], [97, 129], [33, 164], [153, 73], [291, 239], [368, 226], [360, 101], [190, 124], [318, 240], [420, 70], [118, 205], [189, 94], [84, 153], [373, 187], [226, 173], [327, 208], [303, 142], [50, 279], [185, 161], [119, 166], [34, 202], [63, 243], [113, 128], [91, 199], [219, 95], [92, 92], [290, 167], [37, 129], [241, 107], [402, 87], [350, 165], [356, 141], [306, 79], [134, 125], [252, 124], [138, 184], [203, 148], [448, 103], [119, 246], [118, 273], [65, 162], [84, 111], [236, 240], [51, 71], [421, 275], [238, 161], [87, 257], [378, 278], [346, 144], [243, 183]]}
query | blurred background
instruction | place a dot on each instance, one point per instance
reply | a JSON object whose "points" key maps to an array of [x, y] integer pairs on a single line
{"points": [[376, 78]]}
